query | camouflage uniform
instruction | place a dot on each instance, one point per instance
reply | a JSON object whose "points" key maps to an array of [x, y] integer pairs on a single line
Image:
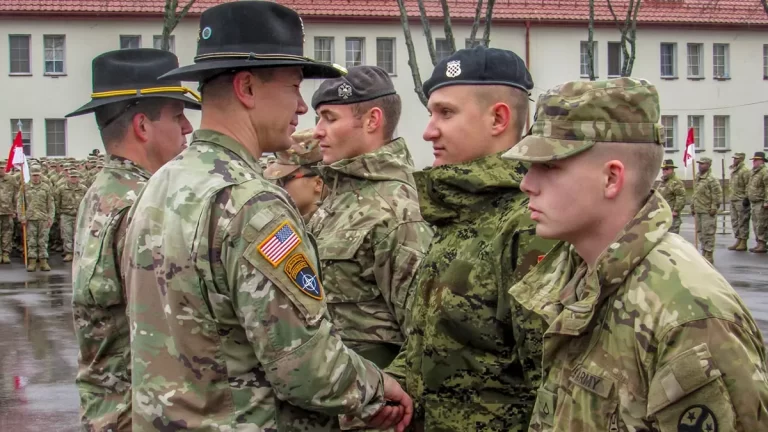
{"points": [[40, 210], [230, 329], [649, 337], [8, 192], [673, 192], [757, 192], [371, 240], [67, 199], [99, 299], [472, 362], [707, 196], [740, 206]]}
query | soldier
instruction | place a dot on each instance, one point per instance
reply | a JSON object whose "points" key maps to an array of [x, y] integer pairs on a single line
{"points": [[673, 192], [142, 124], [8, 191], [230, 328], [643, 333], [68, 198], [471, 360], [367, 262], [757, 192], [707, 196], [740, 207], [37, 215], [295, 171]]}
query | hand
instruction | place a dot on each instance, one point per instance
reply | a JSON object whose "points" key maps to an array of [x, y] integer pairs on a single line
{"points": [[765, 205], [50, 223], [674, 213], [713, 212], [398, 410]]}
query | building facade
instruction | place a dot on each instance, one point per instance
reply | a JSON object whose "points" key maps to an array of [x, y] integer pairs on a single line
{"points": [[712, 76]]}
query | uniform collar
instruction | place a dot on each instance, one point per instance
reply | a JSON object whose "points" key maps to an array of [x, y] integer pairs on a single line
{"points": [[121, 163], [219, 139]]}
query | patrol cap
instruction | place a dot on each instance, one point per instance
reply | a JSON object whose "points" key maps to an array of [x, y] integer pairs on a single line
{"points": [[74, 173], [480, 66], [759, 156], [739, 155], [305, 152], [361, 84], [572, 117], [668, 163], [35, 170], [704, 160]]}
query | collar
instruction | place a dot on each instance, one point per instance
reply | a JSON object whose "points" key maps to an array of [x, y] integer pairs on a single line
{"points": [[219, 139], [121, 163]]}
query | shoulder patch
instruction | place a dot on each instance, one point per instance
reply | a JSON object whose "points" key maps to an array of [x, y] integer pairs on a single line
{"points": [[279, 244], [301, 273], [697, 418]]}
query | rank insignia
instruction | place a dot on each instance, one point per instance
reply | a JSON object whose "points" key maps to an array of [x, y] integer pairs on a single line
{"points": [[301, 273]]}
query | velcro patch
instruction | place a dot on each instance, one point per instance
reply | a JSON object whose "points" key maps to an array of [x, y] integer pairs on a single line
{"points": [[279, 244], [301, 273]]}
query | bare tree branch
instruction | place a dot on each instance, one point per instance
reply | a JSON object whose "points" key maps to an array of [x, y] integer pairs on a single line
{"points": [[447, 26], [427, 32], [476, 23], [488, 18], [628, 31], [765, 5], [591, 41], [412, 62], [171, 19]]}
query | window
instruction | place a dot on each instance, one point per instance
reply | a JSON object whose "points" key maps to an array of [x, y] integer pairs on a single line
{"points": [[19, 50], [26, 133], [385, 54], [765, 132], [614, 59], [355, 48], [442, 48], [55, 137], [324, 49], [720, 61], [54, 54], [670, 132], [130, 42], [765, 61], [697, 124], [669, 60], [584, 66], [722, 132], [695, 60], [468, 44], [157, 42]]}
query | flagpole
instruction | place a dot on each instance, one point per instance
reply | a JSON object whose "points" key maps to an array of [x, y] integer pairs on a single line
{"points": [[695, 224], [690, 154], [23, 207]]}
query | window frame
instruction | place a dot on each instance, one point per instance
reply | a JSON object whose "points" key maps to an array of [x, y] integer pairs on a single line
{"points": [[11, 50], [27, 143], [347, 51], [63, 55], [765, 61], [727, 135], [700, 63], [670, 136], [393, 41], [620, 60], [584, 57], [726, 61], [157, 42], [445, 49], [331, 50], [698, 131], [48, 144], [673, 60], [765, 132], [129, 37]]}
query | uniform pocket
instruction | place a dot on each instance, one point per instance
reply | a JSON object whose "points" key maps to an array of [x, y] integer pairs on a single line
{"points": [[342, 267]]}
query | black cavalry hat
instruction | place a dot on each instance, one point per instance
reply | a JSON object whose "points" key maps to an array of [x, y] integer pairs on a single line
{"points": [[131, 74], [251, 34]]}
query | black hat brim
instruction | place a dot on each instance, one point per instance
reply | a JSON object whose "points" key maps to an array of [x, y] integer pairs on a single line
{"points": [[201, 71], [94, 104]]}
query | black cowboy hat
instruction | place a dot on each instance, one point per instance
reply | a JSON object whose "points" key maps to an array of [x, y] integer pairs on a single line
{"points": [[759, 156], [131, 74], [668, 163], [251, 34]]}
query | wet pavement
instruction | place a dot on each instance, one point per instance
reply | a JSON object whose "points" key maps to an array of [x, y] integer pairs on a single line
{"points": [[38, 352]]}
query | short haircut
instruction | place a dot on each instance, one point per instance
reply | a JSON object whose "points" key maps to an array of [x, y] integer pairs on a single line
{"points": [[115, 119], [643, 159], [516, 99], [218, 85], [391, 106]]}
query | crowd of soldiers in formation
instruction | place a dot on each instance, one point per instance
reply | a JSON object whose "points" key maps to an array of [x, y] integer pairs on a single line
{"points": [[48, 207]]}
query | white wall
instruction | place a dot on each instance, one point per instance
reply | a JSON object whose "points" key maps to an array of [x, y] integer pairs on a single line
{"points": [[554, 59]]}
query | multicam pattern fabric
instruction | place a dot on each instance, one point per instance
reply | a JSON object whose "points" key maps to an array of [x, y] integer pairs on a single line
{"points": [[672, 190], [757, 191], [8, 192], [36, 203], [99, 297], [222, 339], [572, 117], [304, 152], [371, 239], [651, 338], [472, 357], [707, 196], [740, 208]]}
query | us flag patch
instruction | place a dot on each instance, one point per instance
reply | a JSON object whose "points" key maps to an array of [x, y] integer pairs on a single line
{"points": [[279, 244]]}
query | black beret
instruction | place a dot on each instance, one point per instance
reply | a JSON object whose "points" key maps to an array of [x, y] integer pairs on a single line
{"points": [[480, 66], [360, 84]]}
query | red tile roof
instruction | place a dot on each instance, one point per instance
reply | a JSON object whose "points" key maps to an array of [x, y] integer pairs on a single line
{"points": [[708, 12]]}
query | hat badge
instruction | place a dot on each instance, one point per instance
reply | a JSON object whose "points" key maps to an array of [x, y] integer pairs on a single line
{"points": [[345, 91], [453, 69]]}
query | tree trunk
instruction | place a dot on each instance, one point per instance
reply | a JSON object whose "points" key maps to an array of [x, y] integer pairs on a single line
{"points": [[765, 5], [427, 31], [488, 19], [628, 31], [412, 59], [591, 41], [476, 23], [171, 19], [447, 26]]}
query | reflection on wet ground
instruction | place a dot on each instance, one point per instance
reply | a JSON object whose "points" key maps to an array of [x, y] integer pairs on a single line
{"points": [[38, 351]]}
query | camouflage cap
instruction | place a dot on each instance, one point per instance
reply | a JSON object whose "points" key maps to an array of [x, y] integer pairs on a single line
{"points": [[74, 173], [572, 117], [704, 160], [305, 152], [35, 170], [739, 155]]}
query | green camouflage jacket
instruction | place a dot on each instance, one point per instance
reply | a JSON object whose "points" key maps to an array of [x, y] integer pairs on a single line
{"points": [[38, 201], [740, 176], [8, 191], [99, 299], [652, 339], [371, 239], [707, 194], [758, 184], [67, 198], [472, 360], [673, 191], [230, 329]]}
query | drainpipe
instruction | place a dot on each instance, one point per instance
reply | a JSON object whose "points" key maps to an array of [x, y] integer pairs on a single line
{"points": [[528, 65]]}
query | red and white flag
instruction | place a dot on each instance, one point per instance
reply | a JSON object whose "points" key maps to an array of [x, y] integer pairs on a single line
{"points": [[17, 158], [690, 149]]}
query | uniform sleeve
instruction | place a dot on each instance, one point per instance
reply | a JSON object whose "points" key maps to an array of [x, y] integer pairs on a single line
{"points": [[19, 199], [57, 198], [51, 206], [271, 268], [765, 183], [397, 259], [710, 375], [679, 194], [717, 194]]}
